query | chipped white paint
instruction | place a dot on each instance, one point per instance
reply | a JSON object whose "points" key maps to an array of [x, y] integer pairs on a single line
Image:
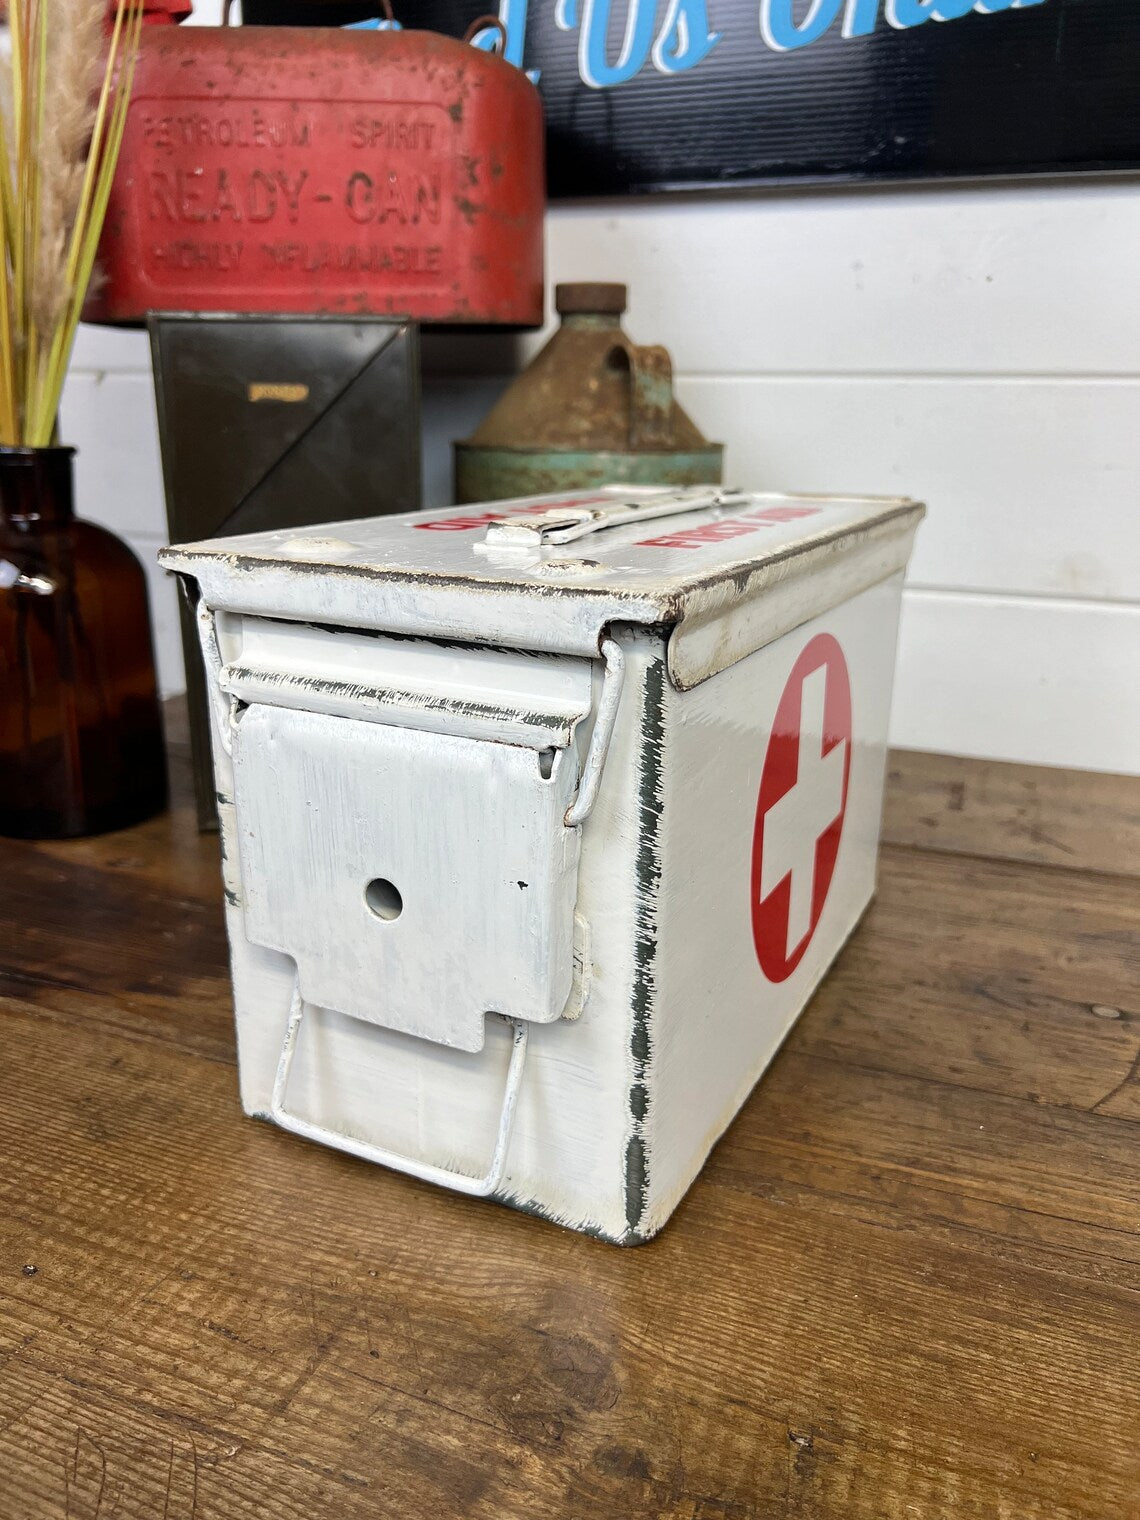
{"points": [[431, 846], [469, 833], [416, 574], [537, 701]]}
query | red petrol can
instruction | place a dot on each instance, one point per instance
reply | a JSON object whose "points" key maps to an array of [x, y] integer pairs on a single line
{"points": [[312, 170]]}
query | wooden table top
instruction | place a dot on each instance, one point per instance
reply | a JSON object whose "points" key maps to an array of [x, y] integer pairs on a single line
{"points": [[904, 1286]]}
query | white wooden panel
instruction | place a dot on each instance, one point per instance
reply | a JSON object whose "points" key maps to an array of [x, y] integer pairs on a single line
{"points": [[1024, 278], [110, 348], [209, 13], [1045, 682], [110, 419], [451, 409], [163, 592], [1030, 485], [1029, 679], [863, 296]]}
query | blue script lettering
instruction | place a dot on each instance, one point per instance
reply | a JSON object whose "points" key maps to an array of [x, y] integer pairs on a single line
{"points": [[684, 38], [782, 32], [908, 13], [860, 18], [778, 25], [594, 67]]}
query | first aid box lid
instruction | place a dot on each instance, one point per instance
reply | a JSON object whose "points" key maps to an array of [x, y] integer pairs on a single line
{"points": [[727, 570]]}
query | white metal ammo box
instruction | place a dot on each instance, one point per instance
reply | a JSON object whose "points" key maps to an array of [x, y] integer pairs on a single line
{"points": [[542, 822]]}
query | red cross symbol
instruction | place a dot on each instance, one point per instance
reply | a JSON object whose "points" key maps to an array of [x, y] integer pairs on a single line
{"points": [[800, 809]]}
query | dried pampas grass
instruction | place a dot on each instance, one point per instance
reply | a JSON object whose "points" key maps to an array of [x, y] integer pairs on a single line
{"points": [[64, 92]]}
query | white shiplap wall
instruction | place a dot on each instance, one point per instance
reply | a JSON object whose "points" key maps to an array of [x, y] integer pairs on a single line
{"points": [[977, 347]]}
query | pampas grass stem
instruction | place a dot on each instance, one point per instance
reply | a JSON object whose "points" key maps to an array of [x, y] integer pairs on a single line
{"points": [[64, 95]]}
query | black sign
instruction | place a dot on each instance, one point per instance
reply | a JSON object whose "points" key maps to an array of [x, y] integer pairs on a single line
{"points": [[683, 94]]}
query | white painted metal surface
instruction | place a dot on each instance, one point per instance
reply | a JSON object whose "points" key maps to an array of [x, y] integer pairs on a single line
{"points": [[418, 574], [477, 1187], [418, 880], [623, 825]]}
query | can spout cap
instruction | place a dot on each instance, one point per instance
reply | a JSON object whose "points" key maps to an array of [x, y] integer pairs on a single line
{"points": [[586, 298]]}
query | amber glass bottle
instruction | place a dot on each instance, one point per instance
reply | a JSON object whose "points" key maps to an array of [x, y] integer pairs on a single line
{"points": [[81, 746]]}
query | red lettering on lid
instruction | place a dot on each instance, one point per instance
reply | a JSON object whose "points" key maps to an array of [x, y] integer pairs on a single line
{"points": [[466, 523], [727, 527]]}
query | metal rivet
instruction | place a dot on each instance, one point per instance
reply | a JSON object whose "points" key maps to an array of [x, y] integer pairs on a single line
{"points": [[310, 545]]}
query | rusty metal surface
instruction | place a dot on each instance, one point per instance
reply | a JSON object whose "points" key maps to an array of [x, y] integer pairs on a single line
{"points": [[319, 171], [593, 406]]}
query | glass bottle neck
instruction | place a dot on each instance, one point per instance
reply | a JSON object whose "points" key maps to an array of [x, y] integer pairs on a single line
{"points": [[35, 487]]}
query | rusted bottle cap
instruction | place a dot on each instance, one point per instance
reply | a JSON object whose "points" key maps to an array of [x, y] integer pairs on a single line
{"points": [[590, 298]]}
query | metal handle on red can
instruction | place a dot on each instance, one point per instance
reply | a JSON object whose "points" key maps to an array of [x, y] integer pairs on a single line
{"points": [[487, 23]]}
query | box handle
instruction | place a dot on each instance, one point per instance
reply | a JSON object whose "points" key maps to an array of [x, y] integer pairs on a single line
{"points": [[583, 805], [562, 525], [460, 1182]]}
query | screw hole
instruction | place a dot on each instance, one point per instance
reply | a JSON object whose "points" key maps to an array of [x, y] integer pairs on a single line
{"points": [[383, 898]]}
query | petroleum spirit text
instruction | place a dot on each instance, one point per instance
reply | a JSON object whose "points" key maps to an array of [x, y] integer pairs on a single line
{"points": [[196, 129], [413, 134], [398, 198]]}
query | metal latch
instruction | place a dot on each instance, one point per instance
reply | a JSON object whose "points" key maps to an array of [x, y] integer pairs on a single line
{"points": [[418, 878], [562, 525], [477, 1187]]}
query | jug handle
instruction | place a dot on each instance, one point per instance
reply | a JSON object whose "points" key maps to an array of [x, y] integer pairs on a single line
{"points": [[651, 397]]}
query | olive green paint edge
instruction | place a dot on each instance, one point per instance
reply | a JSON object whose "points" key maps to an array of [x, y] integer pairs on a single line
{"points": [[648, 878], [494, 474]]}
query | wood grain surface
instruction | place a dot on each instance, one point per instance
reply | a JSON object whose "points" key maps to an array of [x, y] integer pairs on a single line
{"points": [[1037, 813], [906, 1285]]}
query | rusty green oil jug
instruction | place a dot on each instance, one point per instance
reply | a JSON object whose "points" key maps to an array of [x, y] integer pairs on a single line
{"points": [[592, 408]]}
